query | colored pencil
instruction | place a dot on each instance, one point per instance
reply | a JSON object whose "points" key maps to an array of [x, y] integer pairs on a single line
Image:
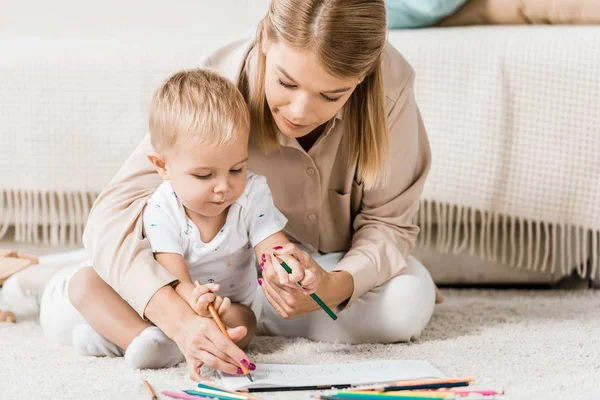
{"points": [[435, 394], [427, 384], [223, 329], [424, 386], [184, 396], [371, 397], [481, 392], [222, 393], [296, 388], [243, 392], [214, 394], [435, 380], [440, 392], [314, 296], [150, 390]]}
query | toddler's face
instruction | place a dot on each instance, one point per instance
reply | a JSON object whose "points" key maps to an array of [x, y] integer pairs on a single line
{"points": [[208, 178]]}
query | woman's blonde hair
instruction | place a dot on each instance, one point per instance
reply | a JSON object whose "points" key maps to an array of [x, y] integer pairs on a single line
{"points": [[348, 37], [198, 104]]}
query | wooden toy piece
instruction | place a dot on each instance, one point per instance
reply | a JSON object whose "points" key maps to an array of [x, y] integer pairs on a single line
{"points": [[18, 254], [12, 262], [7, 316]]}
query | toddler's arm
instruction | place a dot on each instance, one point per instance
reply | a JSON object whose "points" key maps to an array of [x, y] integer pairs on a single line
{"points": [[197, 297]]}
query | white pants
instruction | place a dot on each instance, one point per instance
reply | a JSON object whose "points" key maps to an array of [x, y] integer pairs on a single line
{"points": [[396, 311]]}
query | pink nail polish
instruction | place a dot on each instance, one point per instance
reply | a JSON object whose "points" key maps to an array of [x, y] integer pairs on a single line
{"points": [[277, 248], [252, 366], [245, 362], [240, 372], [264, 258], [260, 281], [262, 266]]}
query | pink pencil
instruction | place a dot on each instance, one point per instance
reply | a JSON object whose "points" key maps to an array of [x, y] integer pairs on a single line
{"points": [[184, 396], [481, 392]]}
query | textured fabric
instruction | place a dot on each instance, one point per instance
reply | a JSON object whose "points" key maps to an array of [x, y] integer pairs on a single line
{"points": [[325, 207], [509, 107], [536, 345], [228, 259], [568, 12], [76, 86], [514, 135], [55, 303], [382, 321], [418, 13], [381, 318]]}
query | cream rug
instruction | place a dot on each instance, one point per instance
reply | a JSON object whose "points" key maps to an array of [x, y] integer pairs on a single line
{"points": [[532, 344]]}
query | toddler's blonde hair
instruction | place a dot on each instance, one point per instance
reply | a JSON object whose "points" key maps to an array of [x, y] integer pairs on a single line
{"points": [[198, 104]]}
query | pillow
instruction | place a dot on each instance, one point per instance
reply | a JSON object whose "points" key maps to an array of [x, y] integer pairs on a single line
{"points": [[481, 12], [418, 13]]}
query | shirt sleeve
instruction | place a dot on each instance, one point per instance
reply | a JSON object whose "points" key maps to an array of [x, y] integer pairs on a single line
{"points": [[114, 237], [262, 218], [384, 231], [160, 222]]}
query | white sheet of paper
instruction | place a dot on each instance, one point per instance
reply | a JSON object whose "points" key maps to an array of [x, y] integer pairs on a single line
{"points": [[363, 373]]}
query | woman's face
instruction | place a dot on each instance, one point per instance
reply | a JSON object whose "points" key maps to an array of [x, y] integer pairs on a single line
{"points": [[300, 93]]}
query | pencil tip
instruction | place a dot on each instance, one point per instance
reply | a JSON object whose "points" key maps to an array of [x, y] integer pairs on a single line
{"points": [[249, 377]]}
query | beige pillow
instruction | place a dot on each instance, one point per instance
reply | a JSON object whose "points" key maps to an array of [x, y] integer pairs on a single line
{"points": [[568, 12]]}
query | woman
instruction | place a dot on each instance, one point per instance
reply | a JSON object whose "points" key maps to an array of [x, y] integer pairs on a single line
{"points": [[337, 133]]}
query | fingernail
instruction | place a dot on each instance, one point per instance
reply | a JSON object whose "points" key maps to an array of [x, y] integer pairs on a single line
{"points": [[240, 372], [277, 248], [260, 281], [264, 258], [262, 266], [245, 362], [252, 366]]}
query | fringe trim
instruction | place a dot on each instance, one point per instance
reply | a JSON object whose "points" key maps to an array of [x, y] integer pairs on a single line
{"points": [[54, 218], [521, 243]]}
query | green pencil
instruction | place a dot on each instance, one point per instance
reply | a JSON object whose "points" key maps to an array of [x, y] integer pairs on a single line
{"points": [[357, 396], [313, 295], [214, 394]]}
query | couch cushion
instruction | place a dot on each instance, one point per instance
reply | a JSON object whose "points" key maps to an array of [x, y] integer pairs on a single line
{"points": [[505, 12]]}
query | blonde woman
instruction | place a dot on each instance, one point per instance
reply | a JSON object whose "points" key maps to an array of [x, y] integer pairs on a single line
{"points": [[336, 131]]}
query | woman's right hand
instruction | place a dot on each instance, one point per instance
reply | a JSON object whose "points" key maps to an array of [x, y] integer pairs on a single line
{"points": [[201, 342]]}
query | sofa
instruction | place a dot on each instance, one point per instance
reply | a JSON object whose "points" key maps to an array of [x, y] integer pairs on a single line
{"points": [[513, 114]]}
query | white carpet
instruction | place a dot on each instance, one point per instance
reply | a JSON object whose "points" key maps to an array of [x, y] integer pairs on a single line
{"points": [[533, 344]]}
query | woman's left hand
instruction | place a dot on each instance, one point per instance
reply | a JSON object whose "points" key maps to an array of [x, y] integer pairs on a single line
{"points": [[282, 290]]}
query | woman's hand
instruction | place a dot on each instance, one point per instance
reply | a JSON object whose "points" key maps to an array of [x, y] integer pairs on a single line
{"points": [[281, 288], [198, 338], [201, 342]]}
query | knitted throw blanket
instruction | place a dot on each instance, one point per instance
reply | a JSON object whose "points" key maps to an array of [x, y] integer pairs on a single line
{"points": [[513, 115]]}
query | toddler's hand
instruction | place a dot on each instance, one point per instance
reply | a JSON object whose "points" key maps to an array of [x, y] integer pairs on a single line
{"points": [[203, 295]]}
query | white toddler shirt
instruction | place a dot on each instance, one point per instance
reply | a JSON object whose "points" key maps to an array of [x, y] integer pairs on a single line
{"points": [[228, 259]]}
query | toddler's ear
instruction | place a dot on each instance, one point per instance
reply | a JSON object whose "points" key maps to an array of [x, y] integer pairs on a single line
{"points": [[158, 161]]}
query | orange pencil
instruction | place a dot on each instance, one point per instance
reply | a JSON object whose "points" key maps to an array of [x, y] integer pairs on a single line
{"points": [[150, 390], [217, 319]]}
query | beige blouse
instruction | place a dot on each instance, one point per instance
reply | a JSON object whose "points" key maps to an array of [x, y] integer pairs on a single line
{"points": [[327, 209]]}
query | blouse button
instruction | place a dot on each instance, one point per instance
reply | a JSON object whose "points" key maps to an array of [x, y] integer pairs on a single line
{"points": [[311, 217], [310, 171]]}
